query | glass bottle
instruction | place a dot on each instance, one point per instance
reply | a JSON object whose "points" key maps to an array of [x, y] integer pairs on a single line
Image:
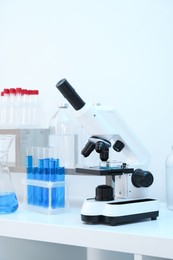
{"points": [[8, 199], [63, 136], [169, 180]]}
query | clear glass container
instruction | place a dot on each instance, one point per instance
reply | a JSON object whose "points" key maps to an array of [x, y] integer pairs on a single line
{"points": [[8, 199], [169, 180], [63, 136]]}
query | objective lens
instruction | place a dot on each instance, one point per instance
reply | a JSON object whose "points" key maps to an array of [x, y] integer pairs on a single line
{"points": [[100, 146], [89, 147]]}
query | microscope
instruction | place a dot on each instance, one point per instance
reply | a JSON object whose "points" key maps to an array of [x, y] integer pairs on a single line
{"points": [[123, 198]]}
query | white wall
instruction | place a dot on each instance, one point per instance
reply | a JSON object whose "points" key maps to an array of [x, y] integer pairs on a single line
{"points": [[114, 52]]}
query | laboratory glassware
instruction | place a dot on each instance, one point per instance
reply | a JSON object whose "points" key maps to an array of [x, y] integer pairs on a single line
{"points": [[64, 137], [8, 199]]}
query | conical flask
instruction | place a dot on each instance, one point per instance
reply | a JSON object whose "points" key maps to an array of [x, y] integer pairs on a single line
{"points": [[8, 199]]}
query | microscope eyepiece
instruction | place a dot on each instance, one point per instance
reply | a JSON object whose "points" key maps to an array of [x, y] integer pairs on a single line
{"points": [[70, 94]]}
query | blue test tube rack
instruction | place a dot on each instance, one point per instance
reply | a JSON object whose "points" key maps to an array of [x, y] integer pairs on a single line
{"points": [[45, 182]]}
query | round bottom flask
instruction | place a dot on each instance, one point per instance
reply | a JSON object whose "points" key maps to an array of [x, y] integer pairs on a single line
{"points": [[8, 199]]}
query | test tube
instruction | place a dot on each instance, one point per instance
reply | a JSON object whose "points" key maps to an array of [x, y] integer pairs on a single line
{"points": [[53, 179], [46, 174], [60, 191], [38, 175], [29, 166]]}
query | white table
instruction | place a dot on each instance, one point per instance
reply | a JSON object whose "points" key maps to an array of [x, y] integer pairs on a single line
{"points": [[142, 240]]}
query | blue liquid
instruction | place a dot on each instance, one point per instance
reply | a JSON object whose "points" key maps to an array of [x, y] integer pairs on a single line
{"points": [[58, 197], [8, 202]]}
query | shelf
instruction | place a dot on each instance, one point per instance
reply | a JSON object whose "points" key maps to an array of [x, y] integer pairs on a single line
{"points": [[156, 237]]}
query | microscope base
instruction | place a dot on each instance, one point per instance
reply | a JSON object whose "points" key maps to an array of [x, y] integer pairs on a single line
{"points": [[119, 211]]}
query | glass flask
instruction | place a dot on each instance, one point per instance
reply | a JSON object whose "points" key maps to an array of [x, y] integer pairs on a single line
{"points": [[64, 137], [8, 199]]}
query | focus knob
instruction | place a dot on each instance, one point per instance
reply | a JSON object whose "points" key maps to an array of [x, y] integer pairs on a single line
{"points": [[142, 178], [104, 193]]}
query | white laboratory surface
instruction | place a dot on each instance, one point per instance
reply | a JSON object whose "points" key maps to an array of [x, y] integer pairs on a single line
{"points": [[65, 235]]}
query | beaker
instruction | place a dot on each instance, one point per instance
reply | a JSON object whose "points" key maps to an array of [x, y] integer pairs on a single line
{"points": [[8, 199]]}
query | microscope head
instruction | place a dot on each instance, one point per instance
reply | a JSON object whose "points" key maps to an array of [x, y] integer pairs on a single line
{"points": [[107, 130]]}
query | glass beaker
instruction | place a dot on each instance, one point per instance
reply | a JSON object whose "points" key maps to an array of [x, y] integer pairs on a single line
{"points": [[8, 199]]}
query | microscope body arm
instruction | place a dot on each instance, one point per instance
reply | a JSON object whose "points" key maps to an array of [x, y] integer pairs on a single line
{"points": [[105, 122]]}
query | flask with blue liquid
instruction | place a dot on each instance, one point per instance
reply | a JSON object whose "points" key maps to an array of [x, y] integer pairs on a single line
{"points": [[8, 199]]}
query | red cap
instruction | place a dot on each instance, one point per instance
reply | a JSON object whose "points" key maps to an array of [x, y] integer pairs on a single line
{"points": [[18, 90], [36, 91], [29, 92], [12, 91], [25, 91], [6, 91]]}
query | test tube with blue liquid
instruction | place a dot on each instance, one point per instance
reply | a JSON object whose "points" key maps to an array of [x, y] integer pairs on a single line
{"points": [[29, 167], [39, 174], [46, 169], [40, 177], [53, 179], [60, 191]]}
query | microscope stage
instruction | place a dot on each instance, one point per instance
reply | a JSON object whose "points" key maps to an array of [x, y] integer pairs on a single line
{"points": [[104, 170], [119, 211]]}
